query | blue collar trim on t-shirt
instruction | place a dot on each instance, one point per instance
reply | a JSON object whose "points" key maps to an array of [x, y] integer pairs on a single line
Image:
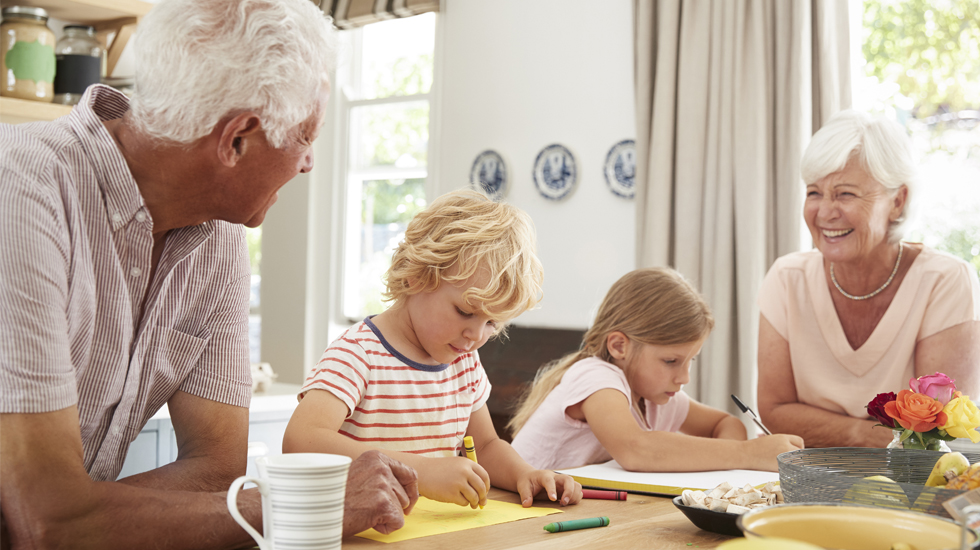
{"points": [[414, 364]]}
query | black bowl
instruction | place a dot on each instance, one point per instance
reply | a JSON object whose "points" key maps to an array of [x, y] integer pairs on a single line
{"points": [[709, 520]]}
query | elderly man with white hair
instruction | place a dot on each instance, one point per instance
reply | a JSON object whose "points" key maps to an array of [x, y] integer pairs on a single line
{"points": [[124, 282], [863, 312]]}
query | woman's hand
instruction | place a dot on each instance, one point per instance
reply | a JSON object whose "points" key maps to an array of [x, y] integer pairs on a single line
{"points": [[455, 479], [762, 451], [530, 483]]}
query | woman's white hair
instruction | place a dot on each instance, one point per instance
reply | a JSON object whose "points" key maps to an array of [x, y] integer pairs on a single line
{"points": [[881, 147], [201, 60]]}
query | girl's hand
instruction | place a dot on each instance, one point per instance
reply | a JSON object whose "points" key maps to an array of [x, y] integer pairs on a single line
{"points": [[762, 451], [532, 482], [454, 479]]}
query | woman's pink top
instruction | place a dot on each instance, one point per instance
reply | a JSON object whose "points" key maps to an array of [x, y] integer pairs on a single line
{"points": [[552, 439], [938, 292]]}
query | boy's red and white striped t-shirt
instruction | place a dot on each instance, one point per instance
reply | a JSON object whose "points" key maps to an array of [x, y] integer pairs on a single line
{"points": [[394, 402]]}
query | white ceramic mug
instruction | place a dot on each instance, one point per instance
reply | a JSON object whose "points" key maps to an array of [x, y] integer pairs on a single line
{"points": [[302, 500]]}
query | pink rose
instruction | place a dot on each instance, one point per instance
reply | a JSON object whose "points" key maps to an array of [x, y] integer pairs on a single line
{"points": [[937, 386]]}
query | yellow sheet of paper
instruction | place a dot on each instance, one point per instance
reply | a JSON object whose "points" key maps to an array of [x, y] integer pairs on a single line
{"points": [[432, 518]]}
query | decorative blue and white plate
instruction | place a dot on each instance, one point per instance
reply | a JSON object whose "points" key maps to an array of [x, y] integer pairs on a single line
{"points": [[489, 173], [620, 168], [555, 173]]}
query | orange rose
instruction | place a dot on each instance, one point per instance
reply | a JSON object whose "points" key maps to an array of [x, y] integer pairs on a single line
{"points": [[916, 412]]}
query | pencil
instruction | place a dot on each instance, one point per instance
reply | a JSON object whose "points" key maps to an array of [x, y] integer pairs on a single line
{"points": [[746, 410]]}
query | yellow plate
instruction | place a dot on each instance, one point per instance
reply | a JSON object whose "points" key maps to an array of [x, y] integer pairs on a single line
{"points": [[852, 527], [766, 544]]}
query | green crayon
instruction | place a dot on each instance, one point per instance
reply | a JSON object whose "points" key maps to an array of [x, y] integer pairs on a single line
{"points": [[574, 524]]}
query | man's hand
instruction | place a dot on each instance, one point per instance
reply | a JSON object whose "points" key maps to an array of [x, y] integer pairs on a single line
{"points": [[380, 492]]}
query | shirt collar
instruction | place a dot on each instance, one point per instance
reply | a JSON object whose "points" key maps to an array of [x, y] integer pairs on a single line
{"points": [[122, 196]]}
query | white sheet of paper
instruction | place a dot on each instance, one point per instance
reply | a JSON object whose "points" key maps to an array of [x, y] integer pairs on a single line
{"points": [[611, 475]]}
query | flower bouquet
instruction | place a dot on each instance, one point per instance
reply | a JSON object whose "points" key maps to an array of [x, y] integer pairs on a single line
{"points": [[929, 415]]}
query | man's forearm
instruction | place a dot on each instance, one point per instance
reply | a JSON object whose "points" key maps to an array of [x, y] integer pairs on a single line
{"points": [[49, 500], [120, 516], [192, 474]]}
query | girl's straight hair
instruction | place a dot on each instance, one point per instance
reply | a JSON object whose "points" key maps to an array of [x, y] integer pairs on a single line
{"points": [[655, 306]]}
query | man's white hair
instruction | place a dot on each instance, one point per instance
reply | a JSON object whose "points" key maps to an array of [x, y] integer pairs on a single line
{"points": [[198, 61], [881, 147]]}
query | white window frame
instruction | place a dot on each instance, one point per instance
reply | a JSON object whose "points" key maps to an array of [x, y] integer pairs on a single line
{"points": [[329, 216], [346, 135]]}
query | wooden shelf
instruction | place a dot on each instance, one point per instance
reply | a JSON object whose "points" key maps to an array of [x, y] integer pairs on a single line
{"points": [[118, 17], [90, 12], [15, 111]]}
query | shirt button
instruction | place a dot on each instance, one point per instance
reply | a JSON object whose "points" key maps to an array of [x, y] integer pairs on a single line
{"points": [[135, 272], [140, 217], [116, 217]]}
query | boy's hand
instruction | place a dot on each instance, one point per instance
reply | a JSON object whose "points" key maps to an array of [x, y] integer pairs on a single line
{"points": [[763, 450], [455, 479], [532, 482]]}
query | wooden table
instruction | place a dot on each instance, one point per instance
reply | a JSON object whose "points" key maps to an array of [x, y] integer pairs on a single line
{"points": [[639, 522]]}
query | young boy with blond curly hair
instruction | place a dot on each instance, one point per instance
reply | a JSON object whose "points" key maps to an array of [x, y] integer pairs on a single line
{"points": [[409, 381]]}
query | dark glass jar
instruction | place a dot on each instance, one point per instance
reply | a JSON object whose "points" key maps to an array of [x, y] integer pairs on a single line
{"points": [[78, 58]]}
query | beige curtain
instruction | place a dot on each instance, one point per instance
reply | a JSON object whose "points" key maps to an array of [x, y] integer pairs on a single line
{"points": [[348, 14], [728, 93]]}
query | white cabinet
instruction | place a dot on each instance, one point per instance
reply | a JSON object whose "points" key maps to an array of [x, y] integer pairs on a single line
{"points": [[268, 415]]}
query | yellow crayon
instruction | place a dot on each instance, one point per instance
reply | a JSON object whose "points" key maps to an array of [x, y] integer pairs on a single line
{"points": [[469, 448], [470, 451]]}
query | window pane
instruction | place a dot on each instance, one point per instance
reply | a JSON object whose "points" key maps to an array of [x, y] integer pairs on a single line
{"points": [[921, 69], [393, 135], [386, 206], [396, 57], [949, 190], [253, 236]]}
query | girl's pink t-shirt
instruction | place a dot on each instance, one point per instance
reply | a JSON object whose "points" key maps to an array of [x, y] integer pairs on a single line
{"points": [[552, 439]]}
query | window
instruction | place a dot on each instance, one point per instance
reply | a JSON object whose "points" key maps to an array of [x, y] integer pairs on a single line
{"points": [[386, 101], [920, 67], [254, 238]]}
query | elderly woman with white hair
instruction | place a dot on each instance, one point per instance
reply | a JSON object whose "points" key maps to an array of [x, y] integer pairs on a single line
{"points": [[863, 312]]}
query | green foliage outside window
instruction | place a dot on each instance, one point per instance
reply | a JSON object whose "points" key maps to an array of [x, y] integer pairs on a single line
{"points": [[406, 76], [929, 48], [925, 57], [396, 135], [392, 201]]}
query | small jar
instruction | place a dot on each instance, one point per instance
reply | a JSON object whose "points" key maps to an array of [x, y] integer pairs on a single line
{"points": [[78, 63], [26, 54]]}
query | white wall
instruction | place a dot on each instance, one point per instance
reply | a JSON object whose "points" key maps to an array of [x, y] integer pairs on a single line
{"points": [[518, 75]]}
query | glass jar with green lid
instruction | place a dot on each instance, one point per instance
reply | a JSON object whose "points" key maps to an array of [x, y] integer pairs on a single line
{"points": [[26, 54]]}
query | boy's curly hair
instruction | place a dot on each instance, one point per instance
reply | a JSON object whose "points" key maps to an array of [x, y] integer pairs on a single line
{"points": [[467, 230]]}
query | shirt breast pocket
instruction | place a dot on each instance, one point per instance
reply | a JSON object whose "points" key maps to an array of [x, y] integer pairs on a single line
{"points": [[171, 356]]}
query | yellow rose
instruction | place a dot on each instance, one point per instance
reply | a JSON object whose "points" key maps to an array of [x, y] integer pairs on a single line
{"points": [[962, 418]]}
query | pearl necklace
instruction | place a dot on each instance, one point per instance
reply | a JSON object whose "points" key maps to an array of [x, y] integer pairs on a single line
{"points": [[875, 293]]}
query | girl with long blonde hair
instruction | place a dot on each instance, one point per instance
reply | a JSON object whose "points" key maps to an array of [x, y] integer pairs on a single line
{"points": [[619, 397]]}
